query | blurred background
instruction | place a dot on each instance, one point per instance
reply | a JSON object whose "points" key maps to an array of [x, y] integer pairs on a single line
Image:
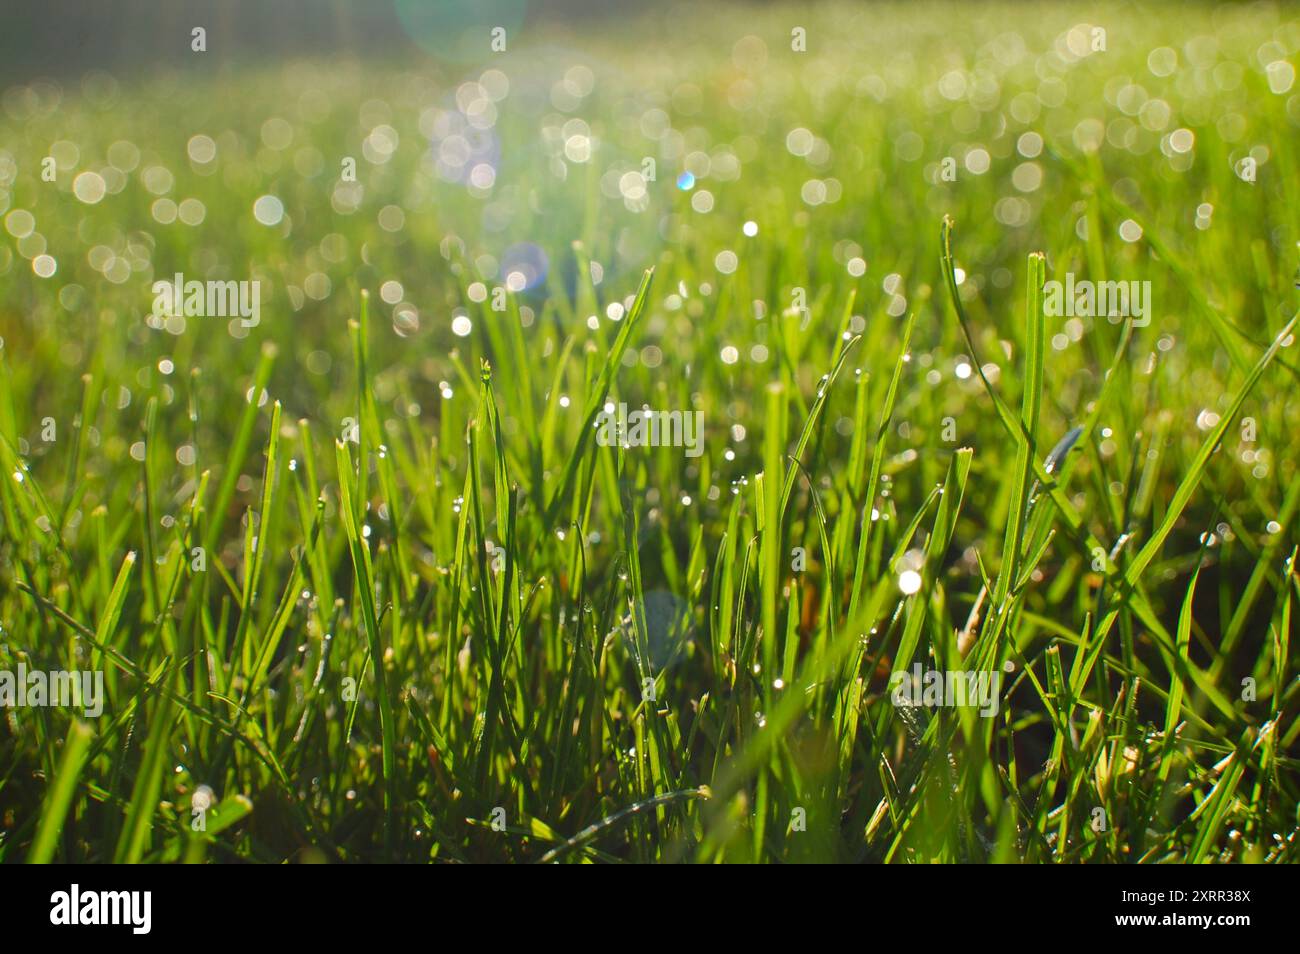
{"points": [[139, 35]]}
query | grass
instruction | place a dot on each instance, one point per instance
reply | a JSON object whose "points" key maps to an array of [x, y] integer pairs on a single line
{"points": [[365, 586]]}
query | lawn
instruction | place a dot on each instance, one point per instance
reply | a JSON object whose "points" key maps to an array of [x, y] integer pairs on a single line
{"points": [[382, 559]]}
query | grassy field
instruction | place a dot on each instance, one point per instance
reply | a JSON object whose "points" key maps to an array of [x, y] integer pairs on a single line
{"points": [[365, 585]]}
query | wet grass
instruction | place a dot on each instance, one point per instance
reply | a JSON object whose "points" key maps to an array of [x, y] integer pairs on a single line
{"points": [[365, 585]]}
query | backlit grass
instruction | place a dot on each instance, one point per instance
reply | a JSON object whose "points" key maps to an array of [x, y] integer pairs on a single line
{"points": [[364, 583]]}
